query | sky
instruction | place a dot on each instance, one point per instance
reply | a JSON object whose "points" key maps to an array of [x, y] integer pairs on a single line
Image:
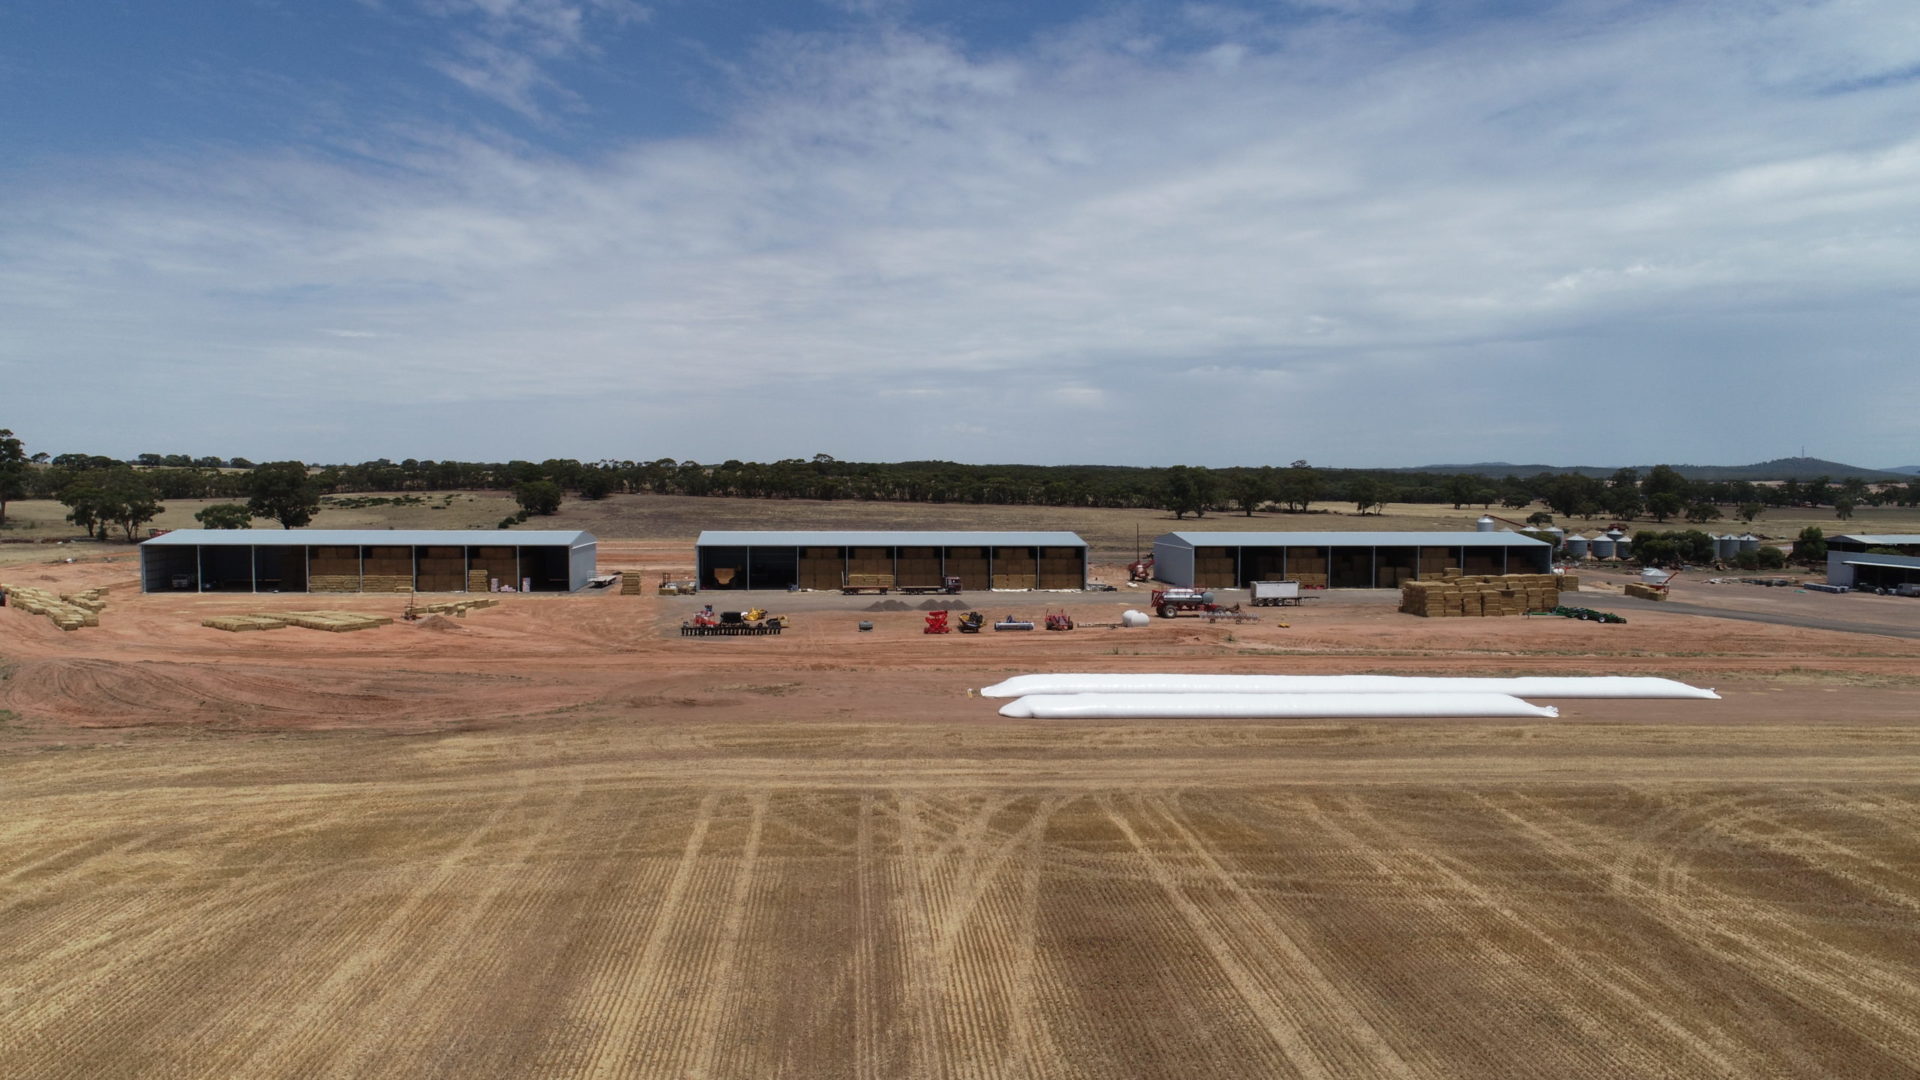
{"points": [[1356, 232]]}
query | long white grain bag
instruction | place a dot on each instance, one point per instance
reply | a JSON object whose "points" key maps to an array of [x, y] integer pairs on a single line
{"points": [[1267, 706], [1575, 686]]}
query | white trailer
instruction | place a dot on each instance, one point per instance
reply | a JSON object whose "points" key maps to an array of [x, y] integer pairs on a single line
{"points": [[1275, 593]]}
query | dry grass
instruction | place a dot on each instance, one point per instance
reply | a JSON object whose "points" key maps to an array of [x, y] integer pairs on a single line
{"points": [[608, 899]]}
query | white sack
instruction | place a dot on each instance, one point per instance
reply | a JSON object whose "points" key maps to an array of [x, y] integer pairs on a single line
{"points": [[1267, 706], [1576, 686]]}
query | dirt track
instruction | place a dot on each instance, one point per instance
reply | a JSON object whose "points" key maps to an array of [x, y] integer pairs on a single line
{"points": [[559, 840]]}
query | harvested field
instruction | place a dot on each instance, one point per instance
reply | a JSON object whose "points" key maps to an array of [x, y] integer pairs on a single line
{"points": [[563, 841], [745, 901]]}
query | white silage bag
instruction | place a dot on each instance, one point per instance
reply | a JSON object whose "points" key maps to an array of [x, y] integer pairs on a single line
{"points": [[1575, 686], [1268, 706], [1131, 617]]}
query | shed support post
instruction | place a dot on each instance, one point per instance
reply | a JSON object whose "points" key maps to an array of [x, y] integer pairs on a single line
{"points": [[253, 556], [199, 570]]}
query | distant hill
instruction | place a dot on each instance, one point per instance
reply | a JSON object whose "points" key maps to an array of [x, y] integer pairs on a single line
{"points": [[1793, 468], [1910, 470]]}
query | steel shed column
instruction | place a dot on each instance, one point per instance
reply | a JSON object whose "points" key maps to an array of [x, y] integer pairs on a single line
{"points": [[199, 571], [747, 570], [253, 557]]}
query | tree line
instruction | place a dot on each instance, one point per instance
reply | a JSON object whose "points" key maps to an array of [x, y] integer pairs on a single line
{"points": [[105, 492]]}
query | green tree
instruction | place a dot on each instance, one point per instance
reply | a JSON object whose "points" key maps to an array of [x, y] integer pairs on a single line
{"points": [[1366, 492], [1663, 505], [1702, 511], [1299, 485], [1184, 491], [99, 498], [1811, 546], [1843, 506], [1622, 497], [224, 516], [1251, 487], [1750, 510], [283, 491], [537, 496], [1574, 495], [1666, 480], [13, 471], [127, 501], [595, 484]]}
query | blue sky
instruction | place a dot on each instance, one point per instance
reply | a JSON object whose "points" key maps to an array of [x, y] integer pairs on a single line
{"points": [[1362, 232]]}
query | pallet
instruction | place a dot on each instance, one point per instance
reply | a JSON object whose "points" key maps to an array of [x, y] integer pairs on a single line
{"points": [[728, 630]]}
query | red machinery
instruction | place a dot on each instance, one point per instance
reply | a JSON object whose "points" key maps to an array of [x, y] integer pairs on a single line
{"points": [[1062, 621], [1140, 571], [936, 623]]}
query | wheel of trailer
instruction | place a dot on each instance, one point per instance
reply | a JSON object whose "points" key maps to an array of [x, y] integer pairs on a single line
{"points": [[1168, 611]]}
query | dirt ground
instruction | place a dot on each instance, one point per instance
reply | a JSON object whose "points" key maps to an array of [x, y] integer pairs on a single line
{"points": [[554, 838]]}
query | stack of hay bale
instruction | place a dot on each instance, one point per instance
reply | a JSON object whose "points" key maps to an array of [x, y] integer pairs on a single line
{"points": [[1645, 592], [1480, 595], [1062, 568], [334, 622], [334, 569], [1308, 566], [442, 569], [918, 567], [457, 608], [66, 612], [387, 569], [1569, 583], [1015, 568], [629, 583]]}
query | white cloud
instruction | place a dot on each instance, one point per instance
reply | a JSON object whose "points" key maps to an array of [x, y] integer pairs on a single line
{"points": [[1079, 229]]}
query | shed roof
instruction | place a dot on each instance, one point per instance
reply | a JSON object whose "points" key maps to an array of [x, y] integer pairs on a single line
{"points": [[801, 538], [1890, 540], [380, 537], [1354, 539], [1888, 562]]}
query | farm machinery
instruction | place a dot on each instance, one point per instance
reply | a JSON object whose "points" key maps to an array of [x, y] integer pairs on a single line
{"points": [[1140, 570], [1173, 603], [971, 622], [754, 623], [1061, 621]]}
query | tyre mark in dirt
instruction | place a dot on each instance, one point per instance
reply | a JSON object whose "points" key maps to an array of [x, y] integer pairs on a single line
{"points": [[321, 1009], [453, 939], [922, 979], [1770, 830], [1865, 990], [1291, 1049], [724, 981], [1713, 1053], [631, 1002], [161, 948], [1369, 1046], [868, 926]]}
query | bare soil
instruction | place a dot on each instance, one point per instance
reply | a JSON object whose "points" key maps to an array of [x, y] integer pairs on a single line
{"points": [[554, 838]]}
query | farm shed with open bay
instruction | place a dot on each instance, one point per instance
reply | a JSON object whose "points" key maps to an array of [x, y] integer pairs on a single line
{"points": [[1874, 562], [1341, 560], [823, 560], [365, 560]]}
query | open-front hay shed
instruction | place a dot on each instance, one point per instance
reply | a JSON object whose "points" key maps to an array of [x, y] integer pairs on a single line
{"points": [[365, 560], [827, 560], [1341, 560]]}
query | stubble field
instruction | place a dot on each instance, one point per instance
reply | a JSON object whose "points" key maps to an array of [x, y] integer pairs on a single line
{"points": [[555, 839]]}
